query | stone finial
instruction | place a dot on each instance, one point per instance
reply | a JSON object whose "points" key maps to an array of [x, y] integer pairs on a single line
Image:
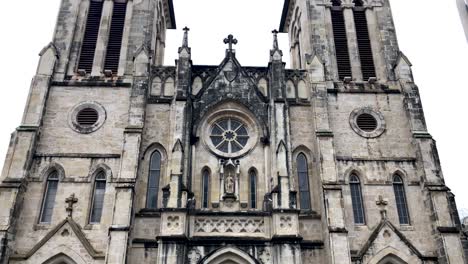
{"points": [[185, 40], [231, 41], [382, 203], [71, 201], [275, 39]]}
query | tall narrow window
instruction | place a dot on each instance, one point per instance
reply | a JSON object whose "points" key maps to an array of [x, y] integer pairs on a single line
{"points": [[206, 188], [363, 41], [153, 180], [303, 175], [115, 36], [341, 40], [98, 197], [400, 198], [88, 48], [253, 189], [49, 197], [356, 198]]}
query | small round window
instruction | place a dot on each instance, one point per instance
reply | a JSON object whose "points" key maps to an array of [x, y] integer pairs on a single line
{"points": [[229, 135], [87, 117], [367, 123]]}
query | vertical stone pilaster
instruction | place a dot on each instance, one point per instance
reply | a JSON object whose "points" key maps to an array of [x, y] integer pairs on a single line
{"points": [[352, 43], [103, 38], [376, 45]]}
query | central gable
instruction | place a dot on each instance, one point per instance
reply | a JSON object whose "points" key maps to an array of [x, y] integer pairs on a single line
{"points": [[230, 82]]}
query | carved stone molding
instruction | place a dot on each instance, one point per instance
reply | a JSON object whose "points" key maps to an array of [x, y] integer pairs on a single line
{"points": [[230, 226]]}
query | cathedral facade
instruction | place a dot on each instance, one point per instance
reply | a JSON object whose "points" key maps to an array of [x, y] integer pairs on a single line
{"points": [[120, 159]]}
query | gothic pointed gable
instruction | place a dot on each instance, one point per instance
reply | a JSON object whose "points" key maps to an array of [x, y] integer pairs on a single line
{"points": [[230, 81], [67, 232], [384, 240]]}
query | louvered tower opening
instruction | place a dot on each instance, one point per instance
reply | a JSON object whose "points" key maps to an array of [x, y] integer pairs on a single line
{"points": [[364, 44], [88, 48], [341, 43], [115, 37]]}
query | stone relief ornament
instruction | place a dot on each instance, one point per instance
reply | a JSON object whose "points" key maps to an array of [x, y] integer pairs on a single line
{"points": [[194, 256], [265, 256]]}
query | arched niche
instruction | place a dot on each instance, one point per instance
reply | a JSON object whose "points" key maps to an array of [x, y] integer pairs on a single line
{"points": [[197, 85], [263, 86], [169, 87], [156, 87], [302, 90], [290, 89]]}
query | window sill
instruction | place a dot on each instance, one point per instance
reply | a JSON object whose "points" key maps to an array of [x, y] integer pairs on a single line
{"points": [[404, 227], [42, 226], [146, 212]]}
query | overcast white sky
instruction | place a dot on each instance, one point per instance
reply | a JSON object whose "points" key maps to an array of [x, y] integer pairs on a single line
{"points": [[430, 34]]}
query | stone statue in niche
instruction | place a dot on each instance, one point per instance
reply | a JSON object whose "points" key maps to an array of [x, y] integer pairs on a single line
{"points": [[229, 183]]}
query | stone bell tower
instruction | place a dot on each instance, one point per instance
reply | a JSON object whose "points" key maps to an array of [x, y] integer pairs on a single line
{"points": [[85, 111], [364, 86]]}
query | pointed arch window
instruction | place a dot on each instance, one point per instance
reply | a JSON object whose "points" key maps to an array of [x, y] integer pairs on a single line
{"points": [[253, 188], [206, 188], [356, 198], [363, 40], [88, 47], [303, 176], [400, 198], [341, 40], [98, 197], [153, 180], [49, 197]]}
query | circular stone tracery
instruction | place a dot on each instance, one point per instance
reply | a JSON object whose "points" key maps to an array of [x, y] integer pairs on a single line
{"points": [[229, 135]]}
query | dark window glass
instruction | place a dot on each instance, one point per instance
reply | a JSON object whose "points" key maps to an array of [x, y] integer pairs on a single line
{"points": [[153, 180], [303, 175], [206, 188], [98, 197], [356, 198], [88, 48], [49, 197], [253, 189], [400, 197], [363, 41], [115, 37], [341, 41]]}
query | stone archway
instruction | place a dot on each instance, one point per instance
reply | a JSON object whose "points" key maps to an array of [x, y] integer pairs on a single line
{"points": [[60, 259], [392, 259], [229, 255]]}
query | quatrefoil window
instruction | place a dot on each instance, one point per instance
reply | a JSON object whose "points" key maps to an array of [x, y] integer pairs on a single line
{"points": [[229, 135]]}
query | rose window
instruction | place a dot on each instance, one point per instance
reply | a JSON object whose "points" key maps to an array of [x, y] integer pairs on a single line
{"points": [[229, 135]]}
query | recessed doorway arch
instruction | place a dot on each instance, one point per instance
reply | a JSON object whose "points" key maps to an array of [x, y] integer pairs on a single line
{"points": [[229, 255]]}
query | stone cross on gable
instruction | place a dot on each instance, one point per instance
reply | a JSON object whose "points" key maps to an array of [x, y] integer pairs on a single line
{"points": [[71, 201], [231, 41], [382, 203]]}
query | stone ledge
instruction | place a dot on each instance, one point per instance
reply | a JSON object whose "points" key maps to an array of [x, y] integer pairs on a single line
{"points": [[448, 229]]}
